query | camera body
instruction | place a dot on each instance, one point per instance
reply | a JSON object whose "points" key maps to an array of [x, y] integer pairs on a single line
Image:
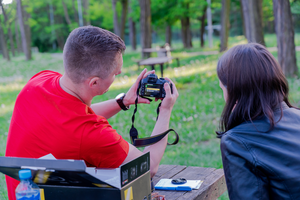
{"points": [[152, 86]]}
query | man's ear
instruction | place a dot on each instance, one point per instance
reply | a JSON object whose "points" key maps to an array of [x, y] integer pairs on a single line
{"points": [[94, 82]]}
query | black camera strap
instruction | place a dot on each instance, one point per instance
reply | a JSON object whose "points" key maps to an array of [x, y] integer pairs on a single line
{"points": [[141, 142]]}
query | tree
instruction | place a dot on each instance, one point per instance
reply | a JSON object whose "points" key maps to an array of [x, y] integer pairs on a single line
{"points": [[3, 43], [185, 27], [66, 13], [285, 37], [24, 30], [169, 34], [119, 28], [72, 20], [164, 14], [8, 23], [75, 11], [19, 45], [145, 24], [224, 24], [86, 13], [202, 27], [116, 22], [132, 31], [123, 18], [252, 11]]}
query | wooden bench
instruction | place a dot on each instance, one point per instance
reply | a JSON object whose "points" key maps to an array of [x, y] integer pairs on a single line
{"points": [[163, 56], [213, 185]]}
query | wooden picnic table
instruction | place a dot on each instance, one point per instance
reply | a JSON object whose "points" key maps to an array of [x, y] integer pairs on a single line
{"points": [[157, 61], [150, 50], [213, 185]]}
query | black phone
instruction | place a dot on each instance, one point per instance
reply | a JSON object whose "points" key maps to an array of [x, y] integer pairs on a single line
{"points": [[179, 181]]}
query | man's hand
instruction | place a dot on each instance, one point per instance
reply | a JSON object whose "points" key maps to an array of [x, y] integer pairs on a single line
{"points": [[168, 102], [131, 94]]}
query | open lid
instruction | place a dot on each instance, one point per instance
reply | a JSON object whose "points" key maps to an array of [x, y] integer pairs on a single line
{"points": [[74, 172], [51, 172]]}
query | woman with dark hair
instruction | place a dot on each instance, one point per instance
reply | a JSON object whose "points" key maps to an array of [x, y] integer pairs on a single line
{"points": [[260, 142]]}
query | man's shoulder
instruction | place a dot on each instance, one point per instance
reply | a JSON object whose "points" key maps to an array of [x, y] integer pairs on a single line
{"points": [[45, 74]]}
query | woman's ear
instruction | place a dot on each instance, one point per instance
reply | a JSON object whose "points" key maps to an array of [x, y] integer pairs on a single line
{"points": [[224, 88]]}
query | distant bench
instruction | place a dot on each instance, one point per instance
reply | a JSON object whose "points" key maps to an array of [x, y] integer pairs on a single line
{"points": [[163, 56]]}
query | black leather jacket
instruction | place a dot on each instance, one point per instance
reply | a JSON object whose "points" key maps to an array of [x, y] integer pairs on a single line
{"points": [[262, 164]]}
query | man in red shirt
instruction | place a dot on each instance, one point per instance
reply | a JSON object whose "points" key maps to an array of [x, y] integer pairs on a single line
{"points": [[53, 112]]}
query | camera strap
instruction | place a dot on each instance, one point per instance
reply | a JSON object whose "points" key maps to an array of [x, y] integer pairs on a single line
{"points": [[141, 142]]}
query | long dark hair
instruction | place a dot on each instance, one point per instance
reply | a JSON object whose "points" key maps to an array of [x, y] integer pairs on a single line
{"points": [[255, 84]]}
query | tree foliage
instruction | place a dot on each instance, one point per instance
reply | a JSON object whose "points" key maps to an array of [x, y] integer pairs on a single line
{"points": [[163, 13]]}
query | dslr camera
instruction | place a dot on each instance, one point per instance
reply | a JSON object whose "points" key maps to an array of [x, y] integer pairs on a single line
{"points": [[152, 86]]}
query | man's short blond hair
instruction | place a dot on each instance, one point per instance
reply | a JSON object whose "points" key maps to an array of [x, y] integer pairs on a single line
{"points": [[91, 51]]}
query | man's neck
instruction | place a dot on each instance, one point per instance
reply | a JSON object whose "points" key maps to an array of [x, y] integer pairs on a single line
{"points": [[76, 90]]}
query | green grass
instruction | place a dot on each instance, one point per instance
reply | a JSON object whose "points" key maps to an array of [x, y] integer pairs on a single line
{"points": [[195, 115]]}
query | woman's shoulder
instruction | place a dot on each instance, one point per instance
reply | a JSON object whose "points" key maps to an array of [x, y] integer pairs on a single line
{"points": [[249, 127], [257, 132]]}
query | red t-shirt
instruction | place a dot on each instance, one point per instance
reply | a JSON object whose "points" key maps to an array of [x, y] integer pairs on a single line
{"points": [[46, 120]]}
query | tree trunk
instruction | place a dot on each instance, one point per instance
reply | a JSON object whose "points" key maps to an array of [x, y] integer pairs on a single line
{"points": [[86, 13], [116, 23], [224, 24], [11, 41], [260, 11], [123, 18], [243, 21], [185, 29], [51, 18], [236, 17], [67, 17], [285, 37], [145, 24], [186, 32], [28, 31], [7, 24], [19, 45], [3, 44], [169, 34], [132, 33], [75, 12], [24, 31], [253, 20], [270, 27], [58, 33], [202, 28]]}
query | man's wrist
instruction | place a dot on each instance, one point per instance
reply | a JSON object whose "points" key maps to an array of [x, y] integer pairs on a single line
{"points": [[120, 100], [126, 102], [165, 112]]}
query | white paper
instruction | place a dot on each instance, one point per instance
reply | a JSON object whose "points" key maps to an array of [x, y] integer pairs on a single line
{"points": [[110, 176], [48, 157], [167, 183]]}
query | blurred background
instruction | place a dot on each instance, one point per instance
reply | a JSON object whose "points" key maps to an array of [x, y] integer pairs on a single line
{"points": [[47, 23], [33, 34]]}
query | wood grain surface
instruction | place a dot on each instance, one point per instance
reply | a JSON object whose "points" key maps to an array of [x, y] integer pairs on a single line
{"points": [[213, 185]]}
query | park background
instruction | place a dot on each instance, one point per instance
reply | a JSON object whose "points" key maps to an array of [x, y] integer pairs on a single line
{"points": [[33, 33]]}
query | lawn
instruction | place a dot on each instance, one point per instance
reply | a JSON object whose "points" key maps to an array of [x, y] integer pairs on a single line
{"points": [[195, 116]]}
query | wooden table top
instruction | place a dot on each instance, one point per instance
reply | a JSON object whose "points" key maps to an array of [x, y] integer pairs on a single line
{"points": [[213, 185], [150, 50], [155, 60]]}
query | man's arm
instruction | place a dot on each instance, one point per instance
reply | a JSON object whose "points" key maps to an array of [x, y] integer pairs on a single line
{"points": [[107, 108], [157, 150]]}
